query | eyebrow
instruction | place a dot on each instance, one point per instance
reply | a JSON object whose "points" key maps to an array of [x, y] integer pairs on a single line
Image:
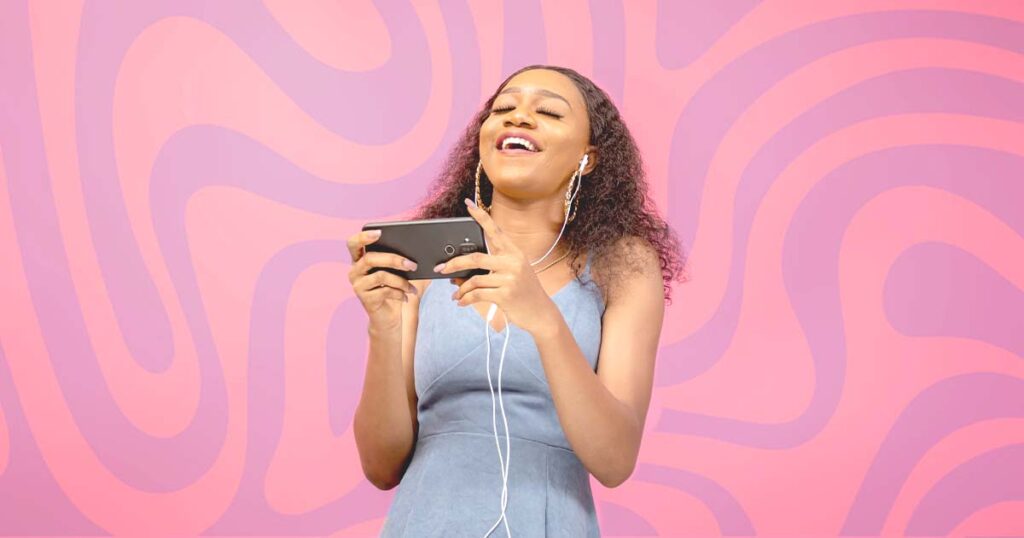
{"points": [[541, 91]]}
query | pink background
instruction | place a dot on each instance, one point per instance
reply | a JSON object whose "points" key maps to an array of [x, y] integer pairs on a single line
{"points": [[180, 351]]}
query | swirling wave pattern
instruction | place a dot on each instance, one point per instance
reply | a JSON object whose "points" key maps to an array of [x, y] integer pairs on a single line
{"points": [[180, 352]]}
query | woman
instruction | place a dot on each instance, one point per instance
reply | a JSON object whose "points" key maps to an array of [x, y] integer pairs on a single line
{"points": [[583, 325]]}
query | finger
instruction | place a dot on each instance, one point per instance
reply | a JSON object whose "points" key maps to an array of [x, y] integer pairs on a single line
{"points": [[386, 292], [487, 295], [475, 260], [385, 259], [370, 260], [492, 280], [357, 241], [492, 234], [384, 278]]}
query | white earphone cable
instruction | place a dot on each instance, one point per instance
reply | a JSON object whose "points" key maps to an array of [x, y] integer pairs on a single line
{"points": [[565, 221], [503, 461]]}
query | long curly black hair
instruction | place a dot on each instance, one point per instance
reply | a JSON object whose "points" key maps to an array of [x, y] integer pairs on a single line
{"points": [[614, 211]]}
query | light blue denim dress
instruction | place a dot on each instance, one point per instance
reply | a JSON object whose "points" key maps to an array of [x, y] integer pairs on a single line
{"points": [[452, 487]]}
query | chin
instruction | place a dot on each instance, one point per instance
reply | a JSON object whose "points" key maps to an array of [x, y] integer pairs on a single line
{"points": [[516, 185]]}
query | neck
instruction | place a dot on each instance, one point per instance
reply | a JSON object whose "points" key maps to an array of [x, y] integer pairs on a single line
{"points": [[532, 225]]}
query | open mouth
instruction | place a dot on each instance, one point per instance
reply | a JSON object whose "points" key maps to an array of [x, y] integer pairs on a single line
{"points": [[516, 145]]}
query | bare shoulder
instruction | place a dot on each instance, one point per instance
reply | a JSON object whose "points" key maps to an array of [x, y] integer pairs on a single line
{"points": [[631, 324], [632, 266], [638, 251]]}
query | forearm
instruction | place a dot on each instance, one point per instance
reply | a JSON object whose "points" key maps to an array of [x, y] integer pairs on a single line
{"points": [[383, 421], [603, 431]]}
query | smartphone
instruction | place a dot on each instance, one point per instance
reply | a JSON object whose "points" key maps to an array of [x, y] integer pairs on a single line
{"points": [[428, 242]]}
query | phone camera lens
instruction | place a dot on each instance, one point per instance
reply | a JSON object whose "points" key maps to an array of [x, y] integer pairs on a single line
{"points": [[449, 250]]}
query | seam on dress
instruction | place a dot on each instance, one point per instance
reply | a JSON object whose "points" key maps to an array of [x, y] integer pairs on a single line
{"points": [[491, 436], [573, 308], [515, 356], [426, 389], [547, 486]]}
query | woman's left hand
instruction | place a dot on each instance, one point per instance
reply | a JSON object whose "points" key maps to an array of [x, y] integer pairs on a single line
{"points": [[511, 283]]}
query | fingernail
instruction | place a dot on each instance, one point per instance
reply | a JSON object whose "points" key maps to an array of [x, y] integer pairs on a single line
{"points": [[409, 265], [438, 267], [373, 233], [470, 203]]}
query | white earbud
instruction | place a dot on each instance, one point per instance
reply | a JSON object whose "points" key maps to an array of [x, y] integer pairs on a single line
{"points": [[583, 162]]}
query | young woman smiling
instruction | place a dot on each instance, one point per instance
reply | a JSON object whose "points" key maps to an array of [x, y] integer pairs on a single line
{"points": [[583, 324]]}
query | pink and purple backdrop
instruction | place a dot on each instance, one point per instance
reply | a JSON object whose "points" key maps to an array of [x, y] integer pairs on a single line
{"points": [[180, 351]]}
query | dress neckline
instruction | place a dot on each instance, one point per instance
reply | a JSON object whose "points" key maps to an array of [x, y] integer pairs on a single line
{"points": [[565, 287]]}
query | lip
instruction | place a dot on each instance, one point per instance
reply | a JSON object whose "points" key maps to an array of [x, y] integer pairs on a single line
{"points": [[517, 153], [518, 134]]}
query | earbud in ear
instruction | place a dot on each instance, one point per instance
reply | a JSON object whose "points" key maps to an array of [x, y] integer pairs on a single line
{"points": [[583, 161]]}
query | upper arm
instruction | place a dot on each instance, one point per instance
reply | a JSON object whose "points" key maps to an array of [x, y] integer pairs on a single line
{"points": [[410, 323], [630, 331]]}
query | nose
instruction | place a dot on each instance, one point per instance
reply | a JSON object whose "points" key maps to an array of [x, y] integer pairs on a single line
{"points": [[519, 116]]}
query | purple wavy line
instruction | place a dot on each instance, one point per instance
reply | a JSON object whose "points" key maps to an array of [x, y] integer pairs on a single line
{"points": [[704, 24], [249, 511], [345, 370], [185, 162], [911, 91], [810, 268], [525, 42], [33, 502], [985, 480], [619, 520], [371, 107], [608, 27], [49, 281], [716, 106], [876, 97], [119, 445], [935, 289], [728, 512], [141, 461], [880, 96], [939, 410], [356, 105], [198, 157]]}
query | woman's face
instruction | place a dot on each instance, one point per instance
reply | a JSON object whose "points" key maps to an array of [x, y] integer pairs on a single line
{"points": [[546, 109]]}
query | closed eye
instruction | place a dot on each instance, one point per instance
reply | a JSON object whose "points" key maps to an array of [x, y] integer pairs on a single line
{"points": [[541, 110]]}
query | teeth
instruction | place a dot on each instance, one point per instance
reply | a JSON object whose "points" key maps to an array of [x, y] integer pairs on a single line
{"points": [[515, 139]]}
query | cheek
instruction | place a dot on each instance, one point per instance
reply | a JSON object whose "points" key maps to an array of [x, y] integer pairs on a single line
{"points": [[486, 140]]}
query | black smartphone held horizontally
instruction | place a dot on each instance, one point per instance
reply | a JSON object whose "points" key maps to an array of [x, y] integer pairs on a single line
{"points": [[428, 242]]}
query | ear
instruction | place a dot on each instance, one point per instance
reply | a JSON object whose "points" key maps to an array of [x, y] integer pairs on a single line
{"points": [[591, 160]]}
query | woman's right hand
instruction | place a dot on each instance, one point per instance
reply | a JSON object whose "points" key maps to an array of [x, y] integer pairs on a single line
{"points": [[382, 293]]}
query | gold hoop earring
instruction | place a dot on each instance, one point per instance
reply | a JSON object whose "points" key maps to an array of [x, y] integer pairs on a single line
{"points": [[576, 176], [479, 201]]}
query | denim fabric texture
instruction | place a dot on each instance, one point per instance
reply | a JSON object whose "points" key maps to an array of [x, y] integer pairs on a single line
{"points": [[452, 486]]}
